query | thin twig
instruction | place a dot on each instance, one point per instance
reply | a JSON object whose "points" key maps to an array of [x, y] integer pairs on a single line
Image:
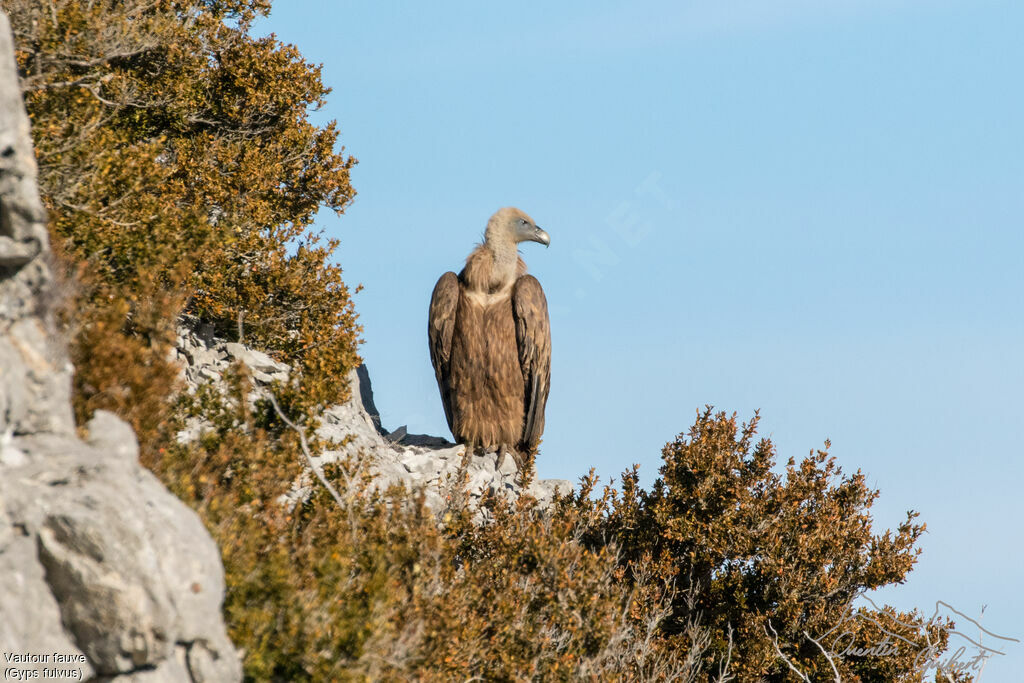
{"points": [[784, 658], [828, 657], [305, 451], [723, 666]]}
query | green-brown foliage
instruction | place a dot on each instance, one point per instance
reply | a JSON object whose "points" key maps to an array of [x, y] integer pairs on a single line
{"points": [[182, 175], [706, 573], [774, 560], [378, 588]]}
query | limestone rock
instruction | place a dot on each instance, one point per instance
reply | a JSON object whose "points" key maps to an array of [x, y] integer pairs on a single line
{"points": [[102, 570], [416, 461], [394, 458], [35, 382], [108, 432], [256, 360]]}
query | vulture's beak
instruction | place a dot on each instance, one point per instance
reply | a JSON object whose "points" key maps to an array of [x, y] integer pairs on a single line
{"points": [[541, 236]]}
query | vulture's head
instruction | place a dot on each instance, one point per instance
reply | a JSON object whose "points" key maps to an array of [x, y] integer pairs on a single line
{"points": [[513, 225]]}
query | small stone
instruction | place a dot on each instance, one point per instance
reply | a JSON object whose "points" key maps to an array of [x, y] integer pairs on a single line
{"points": [[480, 481], [257, 360], [507, 465], [209, 373], [14, 253], [10, 456], [397, 435]]}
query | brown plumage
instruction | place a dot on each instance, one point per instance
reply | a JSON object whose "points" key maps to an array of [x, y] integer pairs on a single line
{"points": [[490, 341]]}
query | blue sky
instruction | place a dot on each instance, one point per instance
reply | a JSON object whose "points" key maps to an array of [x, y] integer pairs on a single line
{"points": [[812, 209]]}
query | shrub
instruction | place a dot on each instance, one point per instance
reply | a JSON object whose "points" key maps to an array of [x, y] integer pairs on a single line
{"points": [[182, 175], [769, 561], [378, 587]]}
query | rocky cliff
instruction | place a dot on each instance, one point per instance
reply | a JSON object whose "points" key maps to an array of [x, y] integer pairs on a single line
{"points": [[412, 460], [104, 575]]}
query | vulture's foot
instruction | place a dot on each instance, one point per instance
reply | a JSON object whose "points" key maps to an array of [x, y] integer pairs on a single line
{"points": [[503, 454]]}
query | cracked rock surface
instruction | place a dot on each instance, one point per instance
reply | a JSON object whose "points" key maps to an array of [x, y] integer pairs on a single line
{"points": [[395, 458], [104, 574], [415, 460]]}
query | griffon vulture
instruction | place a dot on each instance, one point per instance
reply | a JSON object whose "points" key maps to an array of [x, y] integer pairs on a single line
{"points": [[490, 342]]}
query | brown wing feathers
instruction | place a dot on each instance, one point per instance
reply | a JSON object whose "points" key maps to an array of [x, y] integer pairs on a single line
{"points": [[440, 326], [533, 334]]}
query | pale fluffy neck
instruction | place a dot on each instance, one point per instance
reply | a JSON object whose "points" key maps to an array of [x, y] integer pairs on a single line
{"points": [[506, 257], [492, 267]]}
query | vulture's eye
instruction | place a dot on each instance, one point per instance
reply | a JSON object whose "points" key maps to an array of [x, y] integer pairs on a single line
{"points": [[522, 221]]}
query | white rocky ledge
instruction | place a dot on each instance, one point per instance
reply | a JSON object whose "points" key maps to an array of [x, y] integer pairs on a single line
{"points": [[395, 458]]}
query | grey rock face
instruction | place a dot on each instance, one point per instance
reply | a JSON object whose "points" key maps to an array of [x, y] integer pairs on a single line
{"points": [[418, 461], [102, 570], [256, 360], [36, 382], [395, 458], [204, 358]]}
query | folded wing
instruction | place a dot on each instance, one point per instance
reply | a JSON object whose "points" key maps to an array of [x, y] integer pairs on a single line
{"points": [[533, 334], [440, 325]]}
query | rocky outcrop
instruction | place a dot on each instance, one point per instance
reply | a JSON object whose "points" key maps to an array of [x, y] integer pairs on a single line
{"points": [[104, 575], [35, 379], [419, 461], [415, 461]]}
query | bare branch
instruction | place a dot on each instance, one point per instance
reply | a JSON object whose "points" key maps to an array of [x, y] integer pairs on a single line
{"points": [[828, 657], [778, 651], [723, 667], [306, 452]]}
